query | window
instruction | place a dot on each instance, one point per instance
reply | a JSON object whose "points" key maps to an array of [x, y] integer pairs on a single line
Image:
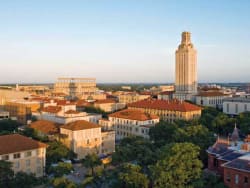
{"points": [[236, 108], [28, 162], [5, 157], [17, 164], [227, 107], [215, 162], [39, 170], [38, 152], [245, 107], [38, 161], [236, 179], [245, 179], [28, 154], [228, 178], [17, 155], [88, 141]]}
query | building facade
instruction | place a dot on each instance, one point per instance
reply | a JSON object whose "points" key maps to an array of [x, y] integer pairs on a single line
{"points": [[85, 138], [76, 87], [21, 110], [185, 69], [129, 122], [168, 110], [211, 99], [25, 154], [131, 97], [236, 105]]}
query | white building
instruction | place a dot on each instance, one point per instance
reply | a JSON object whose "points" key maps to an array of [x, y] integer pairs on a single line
{"points": [[129, 122], [236, 105], [4, 115], [25, 154], [211, 99], [85, 138], [65, 114]]}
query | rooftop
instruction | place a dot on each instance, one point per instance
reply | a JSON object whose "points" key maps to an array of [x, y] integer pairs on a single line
{"points": [[16, 143], [237, 99], [133, 115], [211, 94], [44, 126], [172, 105], [52, 109], [80, 125]]}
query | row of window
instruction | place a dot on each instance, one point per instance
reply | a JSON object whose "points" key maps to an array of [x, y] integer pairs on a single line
{"points": [[27, 163], [236, 178], [237, 108]]}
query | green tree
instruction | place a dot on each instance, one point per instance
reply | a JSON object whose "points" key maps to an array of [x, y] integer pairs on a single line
{"points": [[163, 133], [57, 151], [134, 149], [61, 169], [8, 126], [131, 177], [178, 166], [91, 161], [6, 173], [24, 180], [62, 182], [198, 135], [244, 122]]}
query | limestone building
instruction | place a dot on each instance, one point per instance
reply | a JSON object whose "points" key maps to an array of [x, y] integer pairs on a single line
{"points": [[185, 69], [26, 155], [76, 87]]}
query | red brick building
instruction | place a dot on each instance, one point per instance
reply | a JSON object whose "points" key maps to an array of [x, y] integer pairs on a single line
{"points": [[230, 159]]}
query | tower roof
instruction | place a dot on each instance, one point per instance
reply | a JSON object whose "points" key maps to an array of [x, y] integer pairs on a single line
{"points": [[235, 134]]}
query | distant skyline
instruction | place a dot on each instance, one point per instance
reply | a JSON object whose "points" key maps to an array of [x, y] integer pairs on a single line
{"points": [[122, 41]]}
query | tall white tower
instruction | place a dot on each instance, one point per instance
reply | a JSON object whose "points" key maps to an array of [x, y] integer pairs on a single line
{"points": [[185, 69]]}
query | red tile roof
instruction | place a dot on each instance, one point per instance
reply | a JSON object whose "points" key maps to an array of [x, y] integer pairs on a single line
{"points": [[72, 112], [44, 126], [80, 125], [173, 105], [104, 101], [52, 109], [211, 94], [133, 115], [16, 143]]}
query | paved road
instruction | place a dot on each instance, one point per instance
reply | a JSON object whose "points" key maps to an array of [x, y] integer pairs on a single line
{"points": [[78, 175]]}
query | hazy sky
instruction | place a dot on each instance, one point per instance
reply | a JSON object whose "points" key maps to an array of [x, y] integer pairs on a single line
{"points": [[122, 40]]}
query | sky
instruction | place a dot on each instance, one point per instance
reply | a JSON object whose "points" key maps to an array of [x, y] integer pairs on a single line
{"points": [[122, 40]]}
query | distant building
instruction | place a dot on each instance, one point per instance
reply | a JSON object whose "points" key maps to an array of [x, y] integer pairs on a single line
{"points": [[185, 69], [46, 128], [168, 110], [27, 155], [21, 110], [10, 94], [4, 115], [210, 98], [76, 87], [165, 95], [236, 105], [65, 113], [131, 97], [129, 123], [109, 105], [84, 138]]}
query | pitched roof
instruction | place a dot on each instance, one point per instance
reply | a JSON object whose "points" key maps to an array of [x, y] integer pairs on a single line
{"points": [[44, 126], [133, 115], [104, 101], [242, 163], [52, 109], [172, 105], [72, 112], [80, 125], [211, 94], [16, 143]]}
